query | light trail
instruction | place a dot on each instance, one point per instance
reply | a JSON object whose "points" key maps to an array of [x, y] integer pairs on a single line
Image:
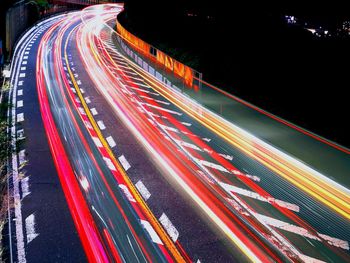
{"points": [[173, 129]]}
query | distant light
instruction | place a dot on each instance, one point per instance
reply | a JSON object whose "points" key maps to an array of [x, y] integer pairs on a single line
{"points": [[6, 73]]}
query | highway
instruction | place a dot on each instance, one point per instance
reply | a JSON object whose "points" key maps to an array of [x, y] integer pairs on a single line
{"points": [[142, 172]]}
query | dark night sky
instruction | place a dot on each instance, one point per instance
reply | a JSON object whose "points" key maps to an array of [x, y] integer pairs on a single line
{"points": [[284, 70]]}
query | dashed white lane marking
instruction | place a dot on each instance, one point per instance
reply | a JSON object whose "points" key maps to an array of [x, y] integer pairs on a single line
{"points": [[30, 228], [25, 186], [26, 53], [81, 110], [23, 68], [79, 82], [109, 164], [20, 134], [135, 78], [19, 103], [163, 109], [93, 111], [127, 193], [188, 145], [124, 162], [20, 92], [140, 84], [145, 91], [159, 101], [111, 141], [20, 83], [24, 62], [101, 125], [186, 124], [22, 75], [212, 165], [22, 157], [206, 139], [143, 190], [169, 227], [97, 141], [303, 232], [20, 117], [234, 189], [168, 128], [25, 57], [82, 91], [87, 100], [28, 48], [150, 230], [226, 156]]}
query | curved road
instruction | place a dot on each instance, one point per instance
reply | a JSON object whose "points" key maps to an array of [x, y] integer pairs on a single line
{"points": [[147, 173]]}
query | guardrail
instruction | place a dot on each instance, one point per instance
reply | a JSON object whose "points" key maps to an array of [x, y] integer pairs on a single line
{"points": [[323, 155]]}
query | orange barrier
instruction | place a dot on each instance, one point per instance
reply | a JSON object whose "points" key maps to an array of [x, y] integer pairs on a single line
{"points": [[168, 62]]}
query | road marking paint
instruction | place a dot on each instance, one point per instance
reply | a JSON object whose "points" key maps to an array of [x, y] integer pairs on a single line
{"points": [[20, 83], [19, 103], [101, 125], [212, 165], [139, 84], [168, 128], [25, 57], [159, 101], [234, 189], [20, 134], [87, 100], [94, 111], [22, 157], [127, 192], [20, 92], [22, 75], [30, 228], [186, 124], [143, 90], [20, 117], [188, 145], [111, 141], [226, 156], [25, 186], [162, 109], [79, 82], [135, 78], [82, 91], [150, 230], [81, 110], [124, 162], [109, 164], [169, 227], [206, 139], [24, 62], [143, 190], [26, 53], [97, 141], [28, 48], [23, 68], [303, 232]]}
